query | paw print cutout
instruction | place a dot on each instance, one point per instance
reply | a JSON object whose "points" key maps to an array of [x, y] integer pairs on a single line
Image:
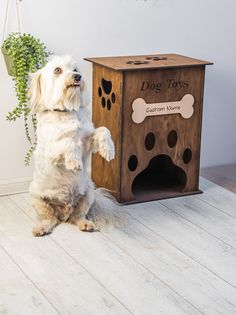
{"points": [[106, 95], [150, 142]]}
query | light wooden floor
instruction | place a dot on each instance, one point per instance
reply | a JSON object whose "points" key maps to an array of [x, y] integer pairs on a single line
{"points": [[176, 256]]}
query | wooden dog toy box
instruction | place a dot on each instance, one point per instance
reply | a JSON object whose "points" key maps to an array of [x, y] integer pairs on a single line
{"points": [[153, 107]]}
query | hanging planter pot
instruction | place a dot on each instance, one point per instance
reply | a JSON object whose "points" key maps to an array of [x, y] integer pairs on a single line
{"points": [[4, 48], [8, 61]]}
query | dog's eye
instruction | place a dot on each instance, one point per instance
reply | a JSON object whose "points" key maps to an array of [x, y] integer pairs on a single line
{"points": [[58, 70], [75, 70]]}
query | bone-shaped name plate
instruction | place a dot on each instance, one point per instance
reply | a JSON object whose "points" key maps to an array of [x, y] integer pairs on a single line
{"points": [[141, 109]]}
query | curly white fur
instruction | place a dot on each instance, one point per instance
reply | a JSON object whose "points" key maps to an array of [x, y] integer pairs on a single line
{"points": [[61, 188]]}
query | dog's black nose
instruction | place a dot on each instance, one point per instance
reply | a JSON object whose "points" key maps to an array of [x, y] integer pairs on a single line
{"points": [[77, 77]]}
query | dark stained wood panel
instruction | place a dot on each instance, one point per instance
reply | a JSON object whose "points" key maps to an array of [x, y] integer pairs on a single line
{"points": [[188, 134], [107, 174]]}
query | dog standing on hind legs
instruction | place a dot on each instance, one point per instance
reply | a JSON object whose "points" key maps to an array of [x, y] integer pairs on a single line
{"points": [[62, 190]]}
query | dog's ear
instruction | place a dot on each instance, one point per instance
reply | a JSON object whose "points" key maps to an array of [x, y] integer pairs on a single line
{"points": [[84, 95], [35, 91]]}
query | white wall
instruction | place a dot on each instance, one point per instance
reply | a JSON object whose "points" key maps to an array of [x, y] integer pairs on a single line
{"points": [[202, 29]]}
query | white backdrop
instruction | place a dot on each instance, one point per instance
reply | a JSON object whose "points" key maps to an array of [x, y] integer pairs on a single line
{"points": [[204, 29]]}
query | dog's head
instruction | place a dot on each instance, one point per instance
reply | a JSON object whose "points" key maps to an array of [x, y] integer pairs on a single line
{"points": [[59, 85]]}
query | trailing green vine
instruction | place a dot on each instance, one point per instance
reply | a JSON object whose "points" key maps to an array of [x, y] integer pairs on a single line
{"points": [[28, 54]]}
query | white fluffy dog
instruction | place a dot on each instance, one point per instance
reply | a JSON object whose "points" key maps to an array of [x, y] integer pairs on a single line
{"points": [[61, 189]]}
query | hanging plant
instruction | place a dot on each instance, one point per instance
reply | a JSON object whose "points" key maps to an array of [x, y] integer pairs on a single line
{"points": [[23, 54]]}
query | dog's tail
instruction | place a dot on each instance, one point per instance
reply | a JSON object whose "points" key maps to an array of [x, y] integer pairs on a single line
{"points": [[105, 211]]}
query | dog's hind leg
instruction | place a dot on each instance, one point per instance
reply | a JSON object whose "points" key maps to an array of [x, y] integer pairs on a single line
{"points": [[47, 216], [78, 217]]}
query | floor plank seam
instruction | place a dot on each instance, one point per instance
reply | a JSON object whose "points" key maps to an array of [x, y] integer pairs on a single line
{"points": [[31, 281], [15, 193], [75, 260], [186, 254], [210, 204], [199, 227]]}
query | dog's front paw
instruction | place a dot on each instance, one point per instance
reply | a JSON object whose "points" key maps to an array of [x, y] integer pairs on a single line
{"points": [[105, 144], [74, 165], [108, 153]]}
